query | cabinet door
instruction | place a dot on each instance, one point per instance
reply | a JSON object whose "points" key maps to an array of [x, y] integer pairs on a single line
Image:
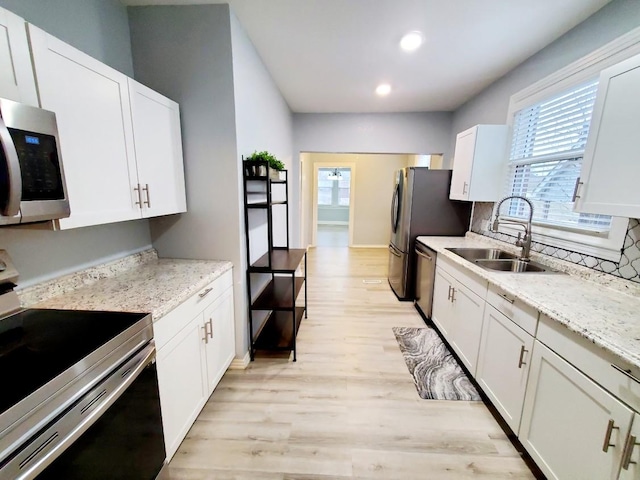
{"points": [[220, 345], [91, 102], [630, 469], [503, 365], [609, 171], [566, 418], [158, 146], [16, 75], [468, 311], [462, 164], [442, 311], [181, 382]]}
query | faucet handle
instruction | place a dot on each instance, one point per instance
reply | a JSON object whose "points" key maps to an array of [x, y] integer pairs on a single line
{"points": [[519, 242]]}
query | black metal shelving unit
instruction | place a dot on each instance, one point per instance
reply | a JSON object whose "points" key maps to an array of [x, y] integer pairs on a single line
{"points": [[278, 327]]}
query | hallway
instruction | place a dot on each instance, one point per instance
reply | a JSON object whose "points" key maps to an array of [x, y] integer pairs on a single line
{"points": [[348, 407]]}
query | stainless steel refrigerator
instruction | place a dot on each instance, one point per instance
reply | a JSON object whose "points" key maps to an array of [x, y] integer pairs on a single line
{"points": [[420, 205]]}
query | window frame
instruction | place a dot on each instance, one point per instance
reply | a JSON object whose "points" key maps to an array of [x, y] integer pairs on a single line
{"points": [[596, 244]]}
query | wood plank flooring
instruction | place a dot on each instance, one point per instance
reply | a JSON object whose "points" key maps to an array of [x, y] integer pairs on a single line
{"points": [[347, 409]]}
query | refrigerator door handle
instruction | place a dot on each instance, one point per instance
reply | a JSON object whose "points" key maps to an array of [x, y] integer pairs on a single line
{"points": [[394, 209], [393, 251]]}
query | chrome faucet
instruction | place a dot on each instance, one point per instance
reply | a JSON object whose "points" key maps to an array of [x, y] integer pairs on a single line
{"points": [[525, 242]]}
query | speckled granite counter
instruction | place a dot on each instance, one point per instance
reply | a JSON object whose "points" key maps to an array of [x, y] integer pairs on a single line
{"points": [[603, 309], [140, 283]]}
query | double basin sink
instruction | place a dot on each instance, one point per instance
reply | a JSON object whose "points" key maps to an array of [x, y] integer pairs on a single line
{"points": [[499, 260]]}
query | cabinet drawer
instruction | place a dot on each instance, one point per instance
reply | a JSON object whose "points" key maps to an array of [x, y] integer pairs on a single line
{"points": [[474, 283], [593, 361], [166, 327], [523, 315]]}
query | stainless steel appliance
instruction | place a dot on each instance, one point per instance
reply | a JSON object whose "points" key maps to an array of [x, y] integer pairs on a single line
{"points": [[420, 206], [79, 396], [32, 185], [425, 278]]}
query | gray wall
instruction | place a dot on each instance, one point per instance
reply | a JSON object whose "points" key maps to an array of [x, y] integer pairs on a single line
{"points": [[99, 28], [491, 105], [421, 133], [229, 107]]}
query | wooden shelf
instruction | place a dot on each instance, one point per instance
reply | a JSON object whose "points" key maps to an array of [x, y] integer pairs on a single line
{"points": [[278, 294], [277, 332], [282, 261]]}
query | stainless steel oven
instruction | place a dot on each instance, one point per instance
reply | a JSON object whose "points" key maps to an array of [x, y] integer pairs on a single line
{"points": [[32, 183], [79, 396]]}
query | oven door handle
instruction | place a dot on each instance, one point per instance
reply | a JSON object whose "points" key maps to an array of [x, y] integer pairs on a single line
{"points": [[14, 195], [52, 442]]}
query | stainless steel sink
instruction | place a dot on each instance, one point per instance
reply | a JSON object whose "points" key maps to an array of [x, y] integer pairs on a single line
{"points": [[473, 254], [516, 266], [500, 261]]}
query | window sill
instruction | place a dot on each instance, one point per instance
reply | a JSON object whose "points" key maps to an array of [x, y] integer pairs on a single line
{"points": [[607, 248]]}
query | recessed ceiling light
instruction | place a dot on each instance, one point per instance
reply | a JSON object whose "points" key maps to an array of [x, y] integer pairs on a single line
{"points": [[411, 41], [383, 89]]}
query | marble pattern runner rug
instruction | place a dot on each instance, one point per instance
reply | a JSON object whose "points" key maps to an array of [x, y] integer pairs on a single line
{"points": [[435, 371]]}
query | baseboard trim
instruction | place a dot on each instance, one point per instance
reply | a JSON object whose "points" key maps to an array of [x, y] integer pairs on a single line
{"points": [[368, 246], [240, 363]]}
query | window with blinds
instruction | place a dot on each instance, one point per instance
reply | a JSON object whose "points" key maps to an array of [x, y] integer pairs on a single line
{"points": [[548, 143]]}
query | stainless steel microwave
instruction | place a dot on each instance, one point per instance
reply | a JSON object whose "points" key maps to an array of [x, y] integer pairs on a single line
{"points": [[32, 185]]}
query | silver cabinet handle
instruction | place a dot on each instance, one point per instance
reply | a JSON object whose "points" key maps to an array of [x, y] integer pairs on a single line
{"points": [[206, 292], [575, 190], [453, 294], [137, 190], [13, 171], [510, 300], [521, 361], [626, 372], [628, 451], [210, 322], [611, 426], [423, 255], [449, 294], [206, 334], [146, 190], [464, 188]]}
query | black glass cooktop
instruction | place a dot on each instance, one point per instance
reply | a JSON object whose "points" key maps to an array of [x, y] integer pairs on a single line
{"points": [[37, 345]]}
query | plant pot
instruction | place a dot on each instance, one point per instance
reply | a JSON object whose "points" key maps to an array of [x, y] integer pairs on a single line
{"points": [[274, 175]]}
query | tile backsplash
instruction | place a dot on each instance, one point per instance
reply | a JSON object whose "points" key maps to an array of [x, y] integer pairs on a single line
{"points": [[628, 267]]}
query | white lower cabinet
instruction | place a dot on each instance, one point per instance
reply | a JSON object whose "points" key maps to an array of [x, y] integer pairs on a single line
{"points": [[571, 427], [458, 307], [503, 365], [196, 344]]}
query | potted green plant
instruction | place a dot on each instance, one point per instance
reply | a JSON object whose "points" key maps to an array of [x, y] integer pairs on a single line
{"points": [[274, 164]]}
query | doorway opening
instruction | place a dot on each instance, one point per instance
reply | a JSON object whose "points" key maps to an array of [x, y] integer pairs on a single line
{"points": [[333, 206]]}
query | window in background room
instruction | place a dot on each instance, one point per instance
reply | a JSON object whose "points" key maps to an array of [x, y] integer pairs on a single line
{"points": [[334, 187]]}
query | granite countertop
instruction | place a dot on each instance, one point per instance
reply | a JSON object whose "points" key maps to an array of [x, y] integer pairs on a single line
{"points": [[603, 309], [150, 285]]}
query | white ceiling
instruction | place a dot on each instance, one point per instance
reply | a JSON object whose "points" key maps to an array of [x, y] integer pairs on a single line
{"points": [[329, 55]]}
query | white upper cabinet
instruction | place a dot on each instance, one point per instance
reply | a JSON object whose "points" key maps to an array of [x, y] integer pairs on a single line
{"points": [[91, 102], [610, 169], [16, 74], [158, 147], [478, 163]]}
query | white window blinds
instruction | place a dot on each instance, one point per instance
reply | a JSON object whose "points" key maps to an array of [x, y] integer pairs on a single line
{"points": [[548, 143]]}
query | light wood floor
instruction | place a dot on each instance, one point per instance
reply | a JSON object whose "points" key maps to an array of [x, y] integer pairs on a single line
{"points": [[348, 407]]}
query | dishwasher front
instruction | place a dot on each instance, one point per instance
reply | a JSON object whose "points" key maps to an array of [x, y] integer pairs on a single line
{"points": [[425, 277]]}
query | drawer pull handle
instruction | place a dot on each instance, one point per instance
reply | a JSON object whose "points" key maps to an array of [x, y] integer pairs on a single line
{"points": [[607, 436], [510, 300], [210, 322], [628, 450], [626, 372], [521, 361], [206, 292], [206, 335], [453, 294], [449, 294]]}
